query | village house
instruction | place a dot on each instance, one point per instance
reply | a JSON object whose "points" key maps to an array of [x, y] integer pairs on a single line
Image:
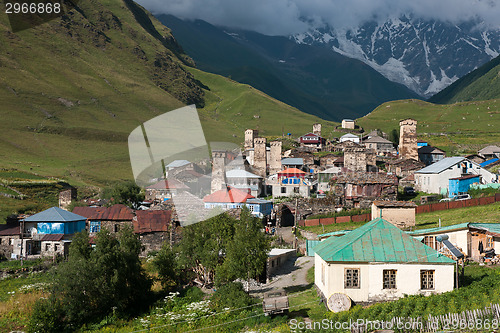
{"points": [[348, 124], [428, 154], [331, 160], [113, 218], [291, 182], [231, 198], [49, 232], [325, 176], [360, 189], [341, 146], [292, 162], [245, 181], [349, 137], [403, 167], [380, 262], [154, 227], [490, 152], [399, 213], [10, 234], [312, 140], [381, 146], [164, 190], [466, 237], [435, 178]]}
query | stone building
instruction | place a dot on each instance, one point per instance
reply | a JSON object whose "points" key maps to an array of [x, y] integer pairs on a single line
{"points": [[348, 124], [399, 213], [408, 147], [113, 218], [317, 129], [218, 171], [154, 227], [260, 156], [250, 135], [360, 189], [359, 159], [67, 197], [380, 145], [275, 157], [403, 167]]}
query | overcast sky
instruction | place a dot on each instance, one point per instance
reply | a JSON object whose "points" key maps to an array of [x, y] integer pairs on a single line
{"points": [[284, 17]]}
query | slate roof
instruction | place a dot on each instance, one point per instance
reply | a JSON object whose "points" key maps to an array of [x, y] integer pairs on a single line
{"points": [[377, 139], [488, 150], [228, 195], [55, 214], [430, 150], [378, 241], [168, 184], [113, 213], [442, 165], [152, 221]]}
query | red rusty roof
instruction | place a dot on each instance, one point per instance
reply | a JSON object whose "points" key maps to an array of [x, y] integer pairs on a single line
{"points": [[168, 184], [10, 229], [52, 238], [291, 172], [113, 213], [228, 195], [152, 220]]}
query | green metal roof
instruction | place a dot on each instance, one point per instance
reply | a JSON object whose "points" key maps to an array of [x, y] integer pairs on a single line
{"points": [[440, 229], [334, 233], [378, 241], [491, 227]]}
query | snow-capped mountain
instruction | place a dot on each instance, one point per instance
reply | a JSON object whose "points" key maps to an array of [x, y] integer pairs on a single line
{"points": [[424, 55]]}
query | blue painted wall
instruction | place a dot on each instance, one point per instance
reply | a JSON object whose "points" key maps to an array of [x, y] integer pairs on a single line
{"points": [[456, 186]]}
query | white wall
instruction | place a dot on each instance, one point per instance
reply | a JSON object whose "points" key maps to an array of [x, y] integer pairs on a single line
{"points": [[371, 279]]}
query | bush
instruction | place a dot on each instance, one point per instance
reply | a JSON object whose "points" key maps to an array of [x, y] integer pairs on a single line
{"points": [[47, 316], [231, 295]]}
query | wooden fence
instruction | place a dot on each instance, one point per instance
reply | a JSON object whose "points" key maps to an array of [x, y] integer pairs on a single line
{"points": [[486, 319]]}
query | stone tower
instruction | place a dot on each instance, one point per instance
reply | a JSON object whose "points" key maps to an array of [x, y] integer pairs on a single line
{"points": [[250, 135], [408, 139], [355, 159], [218, 171], [259, 156], [317, 129], [275, 158]]}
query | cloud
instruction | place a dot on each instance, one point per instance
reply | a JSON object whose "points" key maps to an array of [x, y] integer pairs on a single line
{"points": [[284, 17]]}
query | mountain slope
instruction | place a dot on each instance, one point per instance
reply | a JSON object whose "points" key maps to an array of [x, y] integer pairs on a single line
{"points": [[459, 128], [480, 84], [72, 90], [425, 55], [312, 79]]}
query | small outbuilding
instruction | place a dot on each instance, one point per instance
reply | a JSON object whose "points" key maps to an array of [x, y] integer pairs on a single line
{"points": [[379, 262]]}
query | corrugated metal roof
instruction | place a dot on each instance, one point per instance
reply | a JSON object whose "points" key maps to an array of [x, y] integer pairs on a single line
{"points": [[55, 214], [178, 163], [291, 172], [52, 238], [241, 174], [439, 229], [229, 195], [430, 150], [10, 229], [349, 135], [113, 213], [442, 165], [378, 241], [152, 221], [491, 227], [293, 161], [488, 162]]}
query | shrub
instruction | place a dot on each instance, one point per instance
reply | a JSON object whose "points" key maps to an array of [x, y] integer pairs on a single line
{"points": [[47, 316], [231, 295]]}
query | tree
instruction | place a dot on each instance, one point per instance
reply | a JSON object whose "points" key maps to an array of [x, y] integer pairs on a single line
{"points": [[204, 245], [96, 282], [394, 136], [165, 263], [247, 252], [127, 193]]}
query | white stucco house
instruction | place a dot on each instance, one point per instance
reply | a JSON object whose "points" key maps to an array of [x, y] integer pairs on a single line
{"points": [[435, 177], [349, 137], [377, 262]]}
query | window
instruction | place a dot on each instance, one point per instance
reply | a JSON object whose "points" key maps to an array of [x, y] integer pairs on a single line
{"points": [[117, 227], [295, 190], [283, 189], [351, 278], [251, 208], [426, 279], [94, 226], [56, 247], [389, 278], [489, 241], [432, 242], [47, 247]]}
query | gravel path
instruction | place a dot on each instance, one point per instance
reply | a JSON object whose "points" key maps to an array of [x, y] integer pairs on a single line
{"points": [[291, 276]]}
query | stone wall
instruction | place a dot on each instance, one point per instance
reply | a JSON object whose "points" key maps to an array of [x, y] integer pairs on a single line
{"points": [[408, 139], [260, 156]]}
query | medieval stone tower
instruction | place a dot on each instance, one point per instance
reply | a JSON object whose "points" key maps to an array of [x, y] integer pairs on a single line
{"points": [[260, 156], [218, 171], [355, 159], [408, 139], [250, 135], [275, 157], [317, 129]]}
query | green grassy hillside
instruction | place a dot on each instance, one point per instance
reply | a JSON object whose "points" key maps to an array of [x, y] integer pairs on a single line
{"points": [[457, 128], [71, 91], [480, 84]]}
